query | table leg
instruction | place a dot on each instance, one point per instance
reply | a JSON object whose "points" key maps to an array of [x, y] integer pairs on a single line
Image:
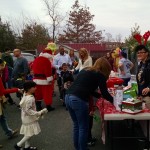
{"points": [[108, 129], [148, 134], [111, 135]]}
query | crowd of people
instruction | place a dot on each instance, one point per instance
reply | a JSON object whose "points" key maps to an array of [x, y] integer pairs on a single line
{"points": [[35, 83]]}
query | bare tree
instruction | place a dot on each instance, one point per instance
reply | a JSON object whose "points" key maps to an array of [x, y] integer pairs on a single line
{"points": [[108, 37], [55, 17], [119, 38], [19, 24], [29, 32]]}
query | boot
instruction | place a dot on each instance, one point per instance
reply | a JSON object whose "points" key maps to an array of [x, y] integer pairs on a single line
{"points": [[39, 105], [50, 108]]}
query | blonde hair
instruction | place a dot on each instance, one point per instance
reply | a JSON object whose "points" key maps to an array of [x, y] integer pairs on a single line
{"points": [[103, 66], [71, 53], [85, 52]]}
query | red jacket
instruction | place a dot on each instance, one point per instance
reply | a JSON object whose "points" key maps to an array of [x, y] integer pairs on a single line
{"points": [[4, 91]]}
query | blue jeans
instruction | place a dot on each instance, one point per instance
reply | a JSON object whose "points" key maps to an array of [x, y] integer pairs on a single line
{"points": [[79, 113], [4, 125]]}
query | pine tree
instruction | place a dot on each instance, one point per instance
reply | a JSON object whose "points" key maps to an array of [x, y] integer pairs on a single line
{"points": [[7, 36], [33, 35], [79, 28]]}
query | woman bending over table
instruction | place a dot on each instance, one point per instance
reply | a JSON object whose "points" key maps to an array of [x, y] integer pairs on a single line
{"points": [[78, 95]]}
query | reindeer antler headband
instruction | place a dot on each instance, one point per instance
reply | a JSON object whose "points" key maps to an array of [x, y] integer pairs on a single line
{"points": [[140, 38]]}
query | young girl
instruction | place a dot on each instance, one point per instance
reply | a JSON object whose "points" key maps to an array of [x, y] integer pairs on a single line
{"points": [[29, 116]]}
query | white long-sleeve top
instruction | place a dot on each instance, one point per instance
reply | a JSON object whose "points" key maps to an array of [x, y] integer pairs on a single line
{"points": [[87, 63], [28, 109], [60, 59]]}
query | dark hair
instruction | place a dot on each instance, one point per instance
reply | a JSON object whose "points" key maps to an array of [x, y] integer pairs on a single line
{"points": [[140, 47], [123, 54], [1, 61], [28, 85], [64, 64], [7, 49]]}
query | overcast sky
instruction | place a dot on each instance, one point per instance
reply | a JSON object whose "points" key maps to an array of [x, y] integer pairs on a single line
{"points": [[113, 16]]}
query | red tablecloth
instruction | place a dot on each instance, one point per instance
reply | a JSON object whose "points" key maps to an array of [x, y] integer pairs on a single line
{"points": [[105, 107]]}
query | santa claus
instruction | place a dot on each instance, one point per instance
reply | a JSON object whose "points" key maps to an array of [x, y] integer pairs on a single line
{"points": [[42, 68]]}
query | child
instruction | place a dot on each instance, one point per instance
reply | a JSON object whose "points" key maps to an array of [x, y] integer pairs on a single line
{"points": [[30, 75], [29, 116], [67, 79]]}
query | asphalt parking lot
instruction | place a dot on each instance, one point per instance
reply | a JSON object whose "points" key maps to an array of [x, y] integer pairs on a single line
{"points": [[56, 129]]}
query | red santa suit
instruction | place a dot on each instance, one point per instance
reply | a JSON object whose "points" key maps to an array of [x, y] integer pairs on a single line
{"points": [[42, 69]]}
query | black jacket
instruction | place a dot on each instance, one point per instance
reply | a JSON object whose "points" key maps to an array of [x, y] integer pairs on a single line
{"points": [[143, 76], [86, 84]]}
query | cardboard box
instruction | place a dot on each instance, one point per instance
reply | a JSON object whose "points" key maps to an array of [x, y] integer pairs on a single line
{"points": [[132, 106]]}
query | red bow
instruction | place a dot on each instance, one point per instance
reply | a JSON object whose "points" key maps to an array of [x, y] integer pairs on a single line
{"points": [[146, 36], [138, 37]]}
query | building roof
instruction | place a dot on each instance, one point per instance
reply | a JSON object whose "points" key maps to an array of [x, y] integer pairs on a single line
{"points": [[89, 46]]}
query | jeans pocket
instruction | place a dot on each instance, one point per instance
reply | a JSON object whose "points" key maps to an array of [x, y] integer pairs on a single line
{"points": [[75, 104]]}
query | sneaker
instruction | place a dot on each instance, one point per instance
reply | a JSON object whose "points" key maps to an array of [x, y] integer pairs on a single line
{"points": [[13, 134], [61, 100], [30, 148], [91, 143], [17, 147]]}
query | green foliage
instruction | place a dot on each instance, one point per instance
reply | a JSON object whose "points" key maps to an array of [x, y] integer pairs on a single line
{"points": [[79, 28], [7, 37], [32, 36], [131, 43]]}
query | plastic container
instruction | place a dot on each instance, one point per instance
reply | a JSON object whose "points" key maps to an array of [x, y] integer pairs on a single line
{"points": [[118, 98]]}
